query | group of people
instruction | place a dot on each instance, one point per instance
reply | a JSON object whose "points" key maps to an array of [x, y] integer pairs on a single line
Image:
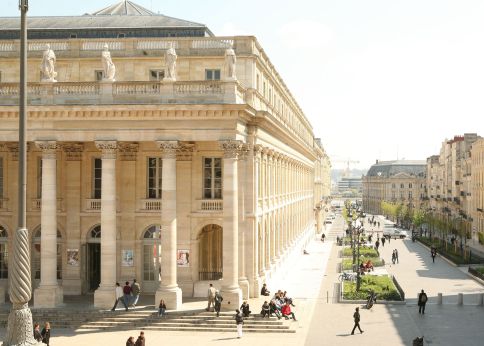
{"points": [[42, 335], [128, 295], [366, 267], [279, 305], [395, 256], [139, 342]]}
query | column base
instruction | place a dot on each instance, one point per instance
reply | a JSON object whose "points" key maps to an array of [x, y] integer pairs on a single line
{"points": [[19, 329], [244, 287], [48, 296], [171, 296], [104, 297], [232, 299]]}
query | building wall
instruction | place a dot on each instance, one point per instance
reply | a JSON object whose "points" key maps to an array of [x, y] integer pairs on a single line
{"points": [[477, 155]]}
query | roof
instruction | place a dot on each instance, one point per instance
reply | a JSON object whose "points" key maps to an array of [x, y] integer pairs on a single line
{"points": [[390, 168], [110, 17]]}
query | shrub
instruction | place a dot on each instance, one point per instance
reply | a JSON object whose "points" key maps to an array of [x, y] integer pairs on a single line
{"points": [[383, 286], [348, 262], [364, 251], [480, 235]]}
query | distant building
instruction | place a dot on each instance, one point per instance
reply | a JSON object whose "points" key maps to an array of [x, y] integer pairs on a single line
{"points": [[477, 211], [400, 181], [352, 185]]}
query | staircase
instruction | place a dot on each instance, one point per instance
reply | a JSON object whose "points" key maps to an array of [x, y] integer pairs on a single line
{"points": [[147, 319]]}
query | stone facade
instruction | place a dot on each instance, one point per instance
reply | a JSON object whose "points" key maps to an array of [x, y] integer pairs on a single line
{"points": [[177, 183], [477, 183]]}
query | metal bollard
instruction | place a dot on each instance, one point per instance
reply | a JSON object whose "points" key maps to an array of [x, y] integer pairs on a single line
{"points": [[460, 299], [439, 298]]}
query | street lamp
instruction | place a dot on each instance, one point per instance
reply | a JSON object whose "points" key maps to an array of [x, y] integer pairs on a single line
{"points": [[19, 328]]}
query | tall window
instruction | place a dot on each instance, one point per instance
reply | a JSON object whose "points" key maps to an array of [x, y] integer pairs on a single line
{"points": [[154, 177], [36, 255], [3, 253], [151, 253], [157, 75], [96, 178], [1, 177], [98, 75], [39, 178], [212, 74], [212, 178]]}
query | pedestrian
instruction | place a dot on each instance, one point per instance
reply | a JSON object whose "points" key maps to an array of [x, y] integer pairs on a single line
{"points": [[218, 302], [127, 294], [323, 236], [422, 300], [239, 320], [433, 253], [37, 335], [383, 241], [377, 244], [46, 333], [135, 291], [394, 258], [245, 309], [265, 310], [396, 255], [264, 291], [130, 341], [119, 297], [286, 312], [389, 238], [141, 339], [162, 309], [356, 317], [211, 297]]}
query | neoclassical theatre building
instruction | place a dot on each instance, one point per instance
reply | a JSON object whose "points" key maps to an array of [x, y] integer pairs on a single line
{"points": [[156, 151]]}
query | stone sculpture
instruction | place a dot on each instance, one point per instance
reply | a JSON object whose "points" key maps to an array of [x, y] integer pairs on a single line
{"points": [[170, 60], [108, 65], [230, 60], [47, 67]]}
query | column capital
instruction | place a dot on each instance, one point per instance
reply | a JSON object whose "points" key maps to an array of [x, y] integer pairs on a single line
{"points": [[231, 148], [13, 149], [108, 148], [168, 148], [49, 148], [73, 151], [128, 151], [185, 151]]}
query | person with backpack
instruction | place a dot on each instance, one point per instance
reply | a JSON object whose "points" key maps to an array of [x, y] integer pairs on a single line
{"points": [[239, 320], [422, 300]]}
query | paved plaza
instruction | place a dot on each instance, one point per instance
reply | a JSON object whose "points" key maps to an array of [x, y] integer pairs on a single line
{"points": [[312, 281]]}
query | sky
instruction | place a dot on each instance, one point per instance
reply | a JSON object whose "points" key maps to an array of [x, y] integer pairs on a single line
{"points": [[377, 79]]}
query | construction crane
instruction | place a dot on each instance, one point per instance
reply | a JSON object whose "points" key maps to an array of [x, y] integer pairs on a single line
{"points": [[347, 170]]}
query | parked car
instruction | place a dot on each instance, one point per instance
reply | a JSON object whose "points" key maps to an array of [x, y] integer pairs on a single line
{"points": [[394, 233]]}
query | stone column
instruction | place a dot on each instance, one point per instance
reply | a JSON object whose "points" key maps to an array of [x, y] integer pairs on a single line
{"points": [[168, 289], [49, 294], [104, 296], [230, 286]]}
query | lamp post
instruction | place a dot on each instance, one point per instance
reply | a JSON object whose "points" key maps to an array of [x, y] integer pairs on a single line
{"points": [[19, 328]]}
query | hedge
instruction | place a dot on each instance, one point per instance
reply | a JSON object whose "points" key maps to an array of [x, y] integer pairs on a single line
{"points": [[383, 286], [364, 251], [348, 262]]}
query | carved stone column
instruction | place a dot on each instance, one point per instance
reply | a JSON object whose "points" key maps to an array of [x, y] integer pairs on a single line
{"points": [[104, 295], [230, 286], [49, 294], [168, 289]]}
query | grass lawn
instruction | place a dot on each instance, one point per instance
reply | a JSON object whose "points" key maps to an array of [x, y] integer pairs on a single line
{"points": [[383, 286], [348, 262], [364, 251]]}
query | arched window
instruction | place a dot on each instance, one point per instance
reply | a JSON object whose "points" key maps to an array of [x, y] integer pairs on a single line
{"points": [[36, 254], [3, 253], [151, 253], [95, 232], [210, 253]]}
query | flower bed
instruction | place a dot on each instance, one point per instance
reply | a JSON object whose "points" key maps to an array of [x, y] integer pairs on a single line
{"points": [[383, 286], [477, 271], [364, 251], [348, 262]]}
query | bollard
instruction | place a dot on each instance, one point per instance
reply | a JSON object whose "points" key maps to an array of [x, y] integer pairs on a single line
{"points": [[439, 298], [481, 299], [460, 299]]}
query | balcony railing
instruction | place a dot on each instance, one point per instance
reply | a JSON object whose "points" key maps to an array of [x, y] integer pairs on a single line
{"points": [[210, 205], [203, 275], [93, 204], [37, 204], [150, 204]]}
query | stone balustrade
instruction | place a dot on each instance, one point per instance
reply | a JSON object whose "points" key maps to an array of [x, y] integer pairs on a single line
{"points": [[150, 204], [210, 205], [183, 92]]}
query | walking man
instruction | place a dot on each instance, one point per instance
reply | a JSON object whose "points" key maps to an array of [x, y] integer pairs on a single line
{"points": [[433, 253], [383, 241], [218, 302], [396, 255], [127, 294], [356, 317], [377, 244], [211, 297], [119, 297], [239, 320], [422, 300], [135, 291]]}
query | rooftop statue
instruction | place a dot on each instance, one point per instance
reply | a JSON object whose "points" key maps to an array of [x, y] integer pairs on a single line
{"points": [[47, 67], [108, 65]]}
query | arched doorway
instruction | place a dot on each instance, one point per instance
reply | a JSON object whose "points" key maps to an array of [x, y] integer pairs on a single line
{"points": [[35, 259], [3, 253], [93, 266], [151, 257], [210, 254]]}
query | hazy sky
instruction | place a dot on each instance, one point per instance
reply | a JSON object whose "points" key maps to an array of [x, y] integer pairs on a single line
{"points": [[378, 79]]}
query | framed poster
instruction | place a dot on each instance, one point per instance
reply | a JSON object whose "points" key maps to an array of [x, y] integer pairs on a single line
{"points": [[183, 258], [127, 258], [73, 257]]}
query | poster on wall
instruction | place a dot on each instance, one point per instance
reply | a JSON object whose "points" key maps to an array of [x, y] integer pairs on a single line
{"points": [[127, 258], [73, 257], [183, 258]]}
